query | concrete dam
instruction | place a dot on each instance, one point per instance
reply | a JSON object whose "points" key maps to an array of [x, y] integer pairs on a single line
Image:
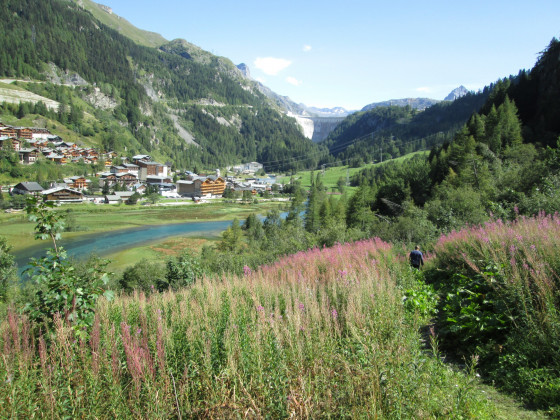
{"points": [[318, 128]]}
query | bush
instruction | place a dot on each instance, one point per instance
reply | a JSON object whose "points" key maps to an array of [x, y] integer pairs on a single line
{"points": [[500, 294], [144, 276], [61, 292], [181, 272]]}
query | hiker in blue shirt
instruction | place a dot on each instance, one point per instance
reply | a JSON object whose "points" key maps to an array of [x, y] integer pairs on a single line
{"points": [[416, 258]]}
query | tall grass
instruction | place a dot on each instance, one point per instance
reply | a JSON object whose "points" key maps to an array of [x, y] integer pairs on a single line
{"points": [[322, 333], [511, 272]]}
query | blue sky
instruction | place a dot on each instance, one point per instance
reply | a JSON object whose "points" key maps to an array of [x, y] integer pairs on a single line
{"points": [[351, 53]]}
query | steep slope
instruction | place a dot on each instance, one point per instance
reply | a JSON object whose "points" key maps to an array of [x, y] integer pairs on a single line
{"points": [[164, 97], [106, 16]]}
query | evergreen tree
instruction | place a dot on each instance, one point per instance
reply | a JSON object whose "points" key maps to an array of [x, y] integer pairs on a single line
{"points": [[509, 123]]}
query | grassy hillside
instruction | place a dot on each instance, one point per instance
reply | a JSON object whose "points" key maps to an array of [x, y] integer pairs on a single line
{"points": [[319, 334], [334, 332], [333, 174], [105, 15]]}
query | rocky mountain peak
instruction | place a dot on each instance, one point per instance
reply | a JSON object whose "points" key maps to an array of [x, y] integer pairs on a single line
{"points": [[244, 69], [457, 93]]}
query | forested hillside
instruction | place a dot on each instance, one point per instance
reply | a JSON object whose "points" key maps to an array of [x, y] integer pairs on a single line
{"points": [[502, 162], [387, 132], [153, 91]]}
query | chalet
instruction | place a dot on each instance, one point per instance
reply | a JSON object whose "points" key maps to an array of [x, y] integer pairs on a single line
{"points": [[124, 195], [147, 168], [213, 185], [118, 169], [10, 143], [252, 190], [27, 188], [41, 134], [38, 143], [77, 182], [139, 188], [28, 156], [132, 168], [8, 132], [127, 179], [112, 199], [107, 178], [60, 159], [202, 186], [63, 194], [24, 133], [141, 158]]}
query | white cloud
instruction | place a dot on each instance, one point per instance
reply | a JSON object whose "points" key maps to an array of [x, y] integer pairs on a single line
{"points": [[293, 81], [424, 89], [271, 66], [306, 48]]}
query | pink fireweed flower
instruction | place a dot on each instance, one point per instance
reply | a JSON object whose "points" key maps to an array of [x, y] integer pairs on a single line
{"points": [[334, 313], [260, 308], [301, 306], [246, 270]]}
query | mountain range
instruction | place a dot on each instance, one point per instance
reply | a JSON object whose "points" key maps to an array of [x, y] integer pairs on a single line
{"points": [[140, 93]]}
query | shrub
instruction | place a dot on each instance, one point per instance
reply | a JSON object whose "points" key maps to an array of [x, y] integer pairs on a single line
{"points": [[144, 276], [500, 294], [60, 292]]}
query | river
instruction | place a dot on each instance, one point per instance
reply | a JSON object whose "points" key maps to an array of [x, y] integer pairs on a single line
{"points": [[106, 243]]}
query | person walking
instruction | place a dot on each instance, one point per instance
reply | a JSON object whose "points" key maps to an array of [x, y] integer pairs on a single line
{"points": [[416, 258]]}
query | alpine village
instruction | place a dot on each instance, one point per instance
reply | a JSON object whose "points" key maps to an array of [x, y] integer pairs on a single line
{"points": [[175, 242]]}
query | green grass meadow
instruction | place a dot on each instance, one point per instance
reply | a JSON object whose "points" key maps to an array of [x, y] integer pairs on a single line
{"points": [[321, 334]]}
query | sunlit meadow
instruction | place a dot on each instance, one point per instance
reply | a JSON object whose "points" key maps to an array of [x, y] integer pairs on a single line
{"points": [[322, 333]]}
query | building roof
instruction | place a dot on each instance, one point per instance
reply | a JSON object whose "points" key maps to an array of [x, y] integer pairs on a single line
{"points": [[124, 194], [29, 186], [56, 189], [125, 174]]}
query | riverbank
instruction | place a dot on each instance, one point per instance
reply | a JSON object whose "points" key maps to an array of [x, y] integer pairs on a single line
{"points": [[87, 220]]}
